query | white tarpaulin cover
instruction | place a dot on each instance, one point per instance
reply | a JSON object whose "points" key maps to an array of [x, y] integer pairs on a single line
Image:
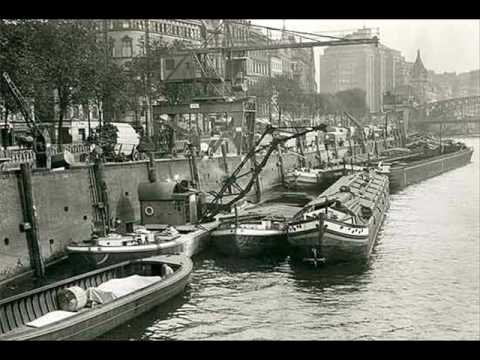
{"points": [[50, 317], [96, 296], [120, 287]]}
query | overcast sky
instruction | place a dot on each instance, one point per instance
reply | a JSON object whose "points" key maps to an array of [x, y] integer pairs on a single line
{"points": [[445, 45]]}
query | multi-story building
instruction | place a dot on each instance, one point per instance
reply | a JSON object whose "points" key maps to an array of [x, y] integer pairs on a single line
{"points": [[128, 38], [377, 70], [355, 66], [444, 84], [303, 68], [467, 84]]}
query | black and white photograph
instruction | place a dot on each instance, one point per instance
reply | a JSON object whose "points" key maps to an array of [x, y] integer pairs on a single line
{"points": [[239, 179]]}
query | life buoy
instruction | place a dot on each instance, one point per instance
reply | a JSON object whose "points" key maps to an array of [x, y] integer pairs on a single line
{"points": [[149, 211]]}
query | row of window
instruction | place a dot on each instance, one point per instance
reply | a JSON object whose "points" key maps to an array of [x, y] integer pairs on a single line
{"points": [[168, 27], [78, 112], [276, 66], [239, 33], [258, 68]]}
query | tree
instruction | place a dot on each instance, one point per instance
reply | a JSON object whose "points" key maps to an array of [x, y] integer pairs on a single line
{"points": [[63, 50], [17, 59], [43, 56], [103, 81], [353, 101], [290, 96]]}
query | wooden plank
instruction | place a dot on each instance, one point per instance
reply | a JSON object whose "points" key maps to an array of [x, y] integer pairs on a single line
{"points": [[23, 311], [53, 293], [17, 314], [48, 300], [43, 304], [3, 321], [36, 306], [30, 310], [10, 317]]}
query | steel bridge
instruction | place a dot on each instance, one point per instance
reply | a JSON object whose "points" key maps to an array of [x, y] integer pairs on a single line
{"points": [[451, 111]]}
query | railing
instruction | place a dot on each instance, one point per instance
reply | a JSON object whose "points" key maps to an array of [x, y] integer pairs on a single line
{"points": [[12, 158]]}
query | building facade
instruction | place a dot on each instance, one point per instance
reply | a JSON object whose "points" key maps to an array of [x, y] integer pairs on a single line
{"points": [[467, 84], [381, 70], [127, 40], [355, 66]]}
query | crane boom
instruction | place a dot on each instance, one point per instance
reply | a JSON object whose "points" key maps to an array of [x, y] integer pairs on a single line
{"points": [[307, 44], [41, 138], [20, 100], [231, 180]]}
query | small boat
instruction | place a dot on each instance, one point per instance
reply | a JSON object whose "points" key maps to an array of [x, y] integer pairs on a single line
{"points": [[343, 222], [85, 306], [148, 240], [258, 230]]}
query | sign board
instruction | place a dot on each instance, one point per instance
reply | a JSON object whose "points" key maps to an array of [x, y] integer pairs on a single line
{"points": [[194, 106]]}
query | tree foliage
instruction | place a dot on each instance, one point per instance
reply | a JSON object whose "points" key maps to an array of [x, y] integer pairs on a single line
{"points": [[296, 103], [61, 56]]}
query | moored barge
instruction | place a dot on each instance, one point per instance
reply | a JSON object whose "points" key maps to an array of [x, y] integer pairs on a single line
{"points": [[403, 174], [256, 231], [343, 222]]}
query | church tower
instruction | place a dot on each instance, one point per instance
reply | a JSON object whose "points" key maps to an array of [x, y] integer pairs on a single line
{"points": [[419, 79]]}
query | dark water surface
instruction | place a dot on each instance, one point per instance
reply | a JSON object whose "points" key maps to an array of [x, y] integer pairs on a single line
{"points": [[422, 281]]}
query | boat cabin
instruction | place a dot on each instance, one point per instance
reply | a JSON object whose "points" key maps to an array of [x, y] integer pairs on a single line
{"points": [[168, 203]]}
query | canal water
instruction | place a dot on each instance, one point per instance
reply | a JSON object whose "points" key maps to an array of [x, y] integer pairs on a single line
{"points": [[422, 282]]}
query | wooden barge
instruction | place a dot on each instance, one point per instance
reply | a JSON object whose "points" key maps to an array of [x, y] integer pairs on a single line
{"points": [[343, 222], [134, 288], [258, 230], [403, 174]]}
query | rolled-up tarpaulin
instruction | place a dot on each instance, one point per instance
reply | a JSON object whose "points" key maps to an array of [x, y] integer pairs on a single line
{"points": [[71, 299]]}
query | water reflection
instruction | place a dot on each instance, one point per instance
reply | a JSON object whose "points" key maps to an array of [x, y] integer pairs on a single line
{"points": [[148, 326]]}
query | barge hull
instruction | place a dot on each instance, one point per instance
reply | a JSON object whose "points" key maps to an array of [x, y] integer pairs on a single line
{"points": [[334, 248], [403, 176], [340, 242], [252, 243], [96, 257]]}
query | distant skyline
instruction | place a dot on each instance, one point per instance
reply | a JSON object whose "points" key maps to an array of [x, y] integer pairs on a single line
{"points": [[445, 45]]}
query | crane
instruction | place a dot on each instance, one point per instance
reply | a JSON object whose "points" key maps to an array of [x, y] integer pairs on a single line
{"points": [[280, 45], [41, 138], [232, 52], [231, 181]]}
